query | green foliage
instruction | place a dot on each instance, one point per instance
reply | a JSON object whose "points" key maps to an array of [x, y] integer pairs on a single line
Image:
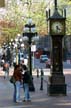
{"points": [[67, 5], [18, 14], [68, 26]]}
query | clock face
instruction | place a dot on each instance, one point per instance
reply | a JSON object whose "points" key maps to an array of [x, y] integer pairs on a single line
{"points": [[57, 27]]}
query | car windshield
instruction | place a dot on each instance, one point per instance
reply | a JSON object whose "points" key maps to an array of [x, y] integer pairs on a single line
{"points": [[44, 56]]}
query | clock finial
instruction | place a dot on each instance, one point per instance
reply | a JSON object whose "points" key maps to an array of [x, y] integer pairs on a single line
{"points": [[55, 2]]}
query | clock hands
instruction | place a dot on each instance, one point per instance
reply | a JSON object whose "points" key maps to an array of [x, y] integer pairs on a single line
{"points": [[58, 29]]}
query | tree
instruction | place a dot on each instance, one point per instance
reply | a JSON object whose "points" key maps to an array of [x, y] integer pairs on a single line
{"points": [[18, 13], [67, 5], [16, 17]]}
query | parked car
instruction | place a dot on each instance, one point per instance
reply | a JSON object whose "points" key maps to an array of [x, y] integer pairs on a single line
{"points": [[48, 63], [43, 58]]}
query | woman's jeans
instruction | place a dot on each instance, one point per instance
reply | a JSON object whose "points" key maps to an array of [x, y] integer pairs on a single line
{"points": [[16, 96], [26, 91]]}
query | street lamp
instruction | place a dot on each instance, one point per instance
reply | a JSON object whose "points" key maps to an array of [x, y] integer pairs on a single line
{"points": [[8, 57], [11, 43], [16, 47], [21, 49], [29, 33], [33, 49]]}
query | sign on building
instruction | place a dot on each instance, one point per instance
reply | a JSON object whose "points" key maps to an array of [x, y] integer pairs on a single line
{"points": [[2, 3]]}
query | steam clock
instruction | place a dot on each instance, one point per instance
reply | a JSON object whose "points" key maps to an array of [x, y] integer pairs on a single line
{"points": [[56, 80]]}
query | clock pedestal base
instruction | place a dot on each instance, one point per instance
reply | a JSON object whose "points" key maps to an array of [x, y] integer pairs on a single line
{"points": [[56, 85]]}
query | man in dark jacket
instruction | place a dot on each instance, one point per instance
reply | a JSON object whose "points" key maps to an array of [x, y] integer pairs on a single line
{"points": [[26, 80]]}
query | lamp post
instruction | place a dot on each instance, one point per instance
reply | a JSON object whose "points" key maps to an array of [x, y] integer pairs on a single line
{"points": [[29, 33], [11, 50], [16, 48], [56, 21], [8, 58], [33, 49], [21, 49]]}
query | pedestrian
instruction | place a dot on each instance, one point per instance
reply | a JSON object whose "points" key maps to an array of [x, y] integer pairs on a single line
{"points": [[26, 80], [17, 76], [14, 62], [6, 69]]}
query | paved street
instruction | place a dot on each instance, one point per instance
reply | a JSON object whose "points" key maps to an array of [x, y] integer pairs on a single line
{"points": [[37, 64], [39, 99]]}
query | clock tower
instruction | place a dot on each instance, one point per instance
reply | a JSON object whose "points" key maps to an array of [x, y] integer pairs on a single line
{"points": [[57, 28]]}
